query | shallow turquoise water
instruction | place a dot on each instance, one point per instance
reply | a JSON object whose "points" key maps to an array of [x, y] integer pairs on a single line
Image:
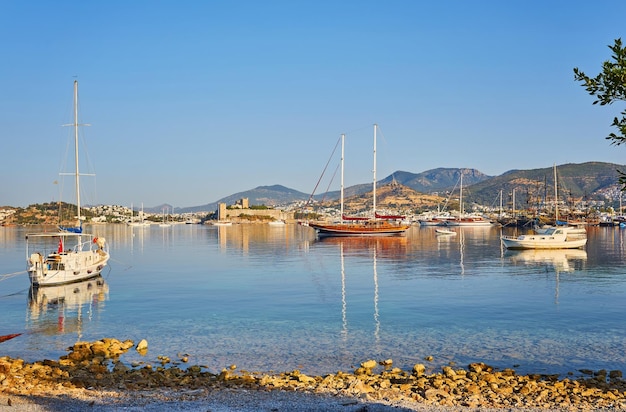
{"points": [[277, 298]]}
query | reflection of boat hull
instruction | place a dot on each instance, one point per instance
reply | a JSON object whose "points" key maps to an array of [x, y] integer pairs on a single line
{"points": [[70, 295], [561, 259], [546, 255], [58, 308], [388, 246]]}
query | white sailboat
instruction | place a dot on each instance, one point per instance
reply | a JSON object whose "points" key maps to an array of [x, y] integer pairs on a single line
{"points": [[142, 220], [164, 223], [67, 256], [463, 219], [573, 229]]}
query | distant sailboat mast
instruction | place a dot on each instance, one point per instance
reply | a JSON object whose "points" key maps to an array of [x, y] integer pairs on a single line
{"points": [[461, 197], [556, 199], [343, 138], [374, 173]]}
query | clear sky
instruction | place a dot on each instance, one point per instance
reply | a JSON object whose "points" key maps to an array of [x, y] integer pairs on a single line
{"points": [[192, 101]]}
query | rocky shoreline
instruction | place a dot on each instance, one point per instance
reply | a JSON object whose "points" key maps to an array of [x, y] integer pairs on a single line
{"points": [[92, 374]]}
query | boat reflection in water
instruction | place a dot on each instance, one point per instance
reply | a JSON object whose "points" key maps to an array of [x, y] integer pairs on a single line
{"points": [[63, 308], [389, 247], [560, 260]]}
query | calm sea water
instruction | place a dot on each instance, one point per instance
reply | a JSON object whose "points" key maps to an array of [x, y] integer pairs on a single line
{"points": [[277, 299]]}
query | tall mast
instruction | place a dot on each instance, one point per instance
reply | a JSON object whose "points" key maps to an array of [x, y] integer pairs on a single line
{"points": [[556, 199], [343, 138], [461, 197], [77, 174], [374, 173], [514, 213]]}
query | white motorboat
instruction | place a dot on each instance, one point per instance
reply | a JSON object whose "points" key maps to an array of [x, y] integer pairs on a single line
{"points": [[553, 238]]}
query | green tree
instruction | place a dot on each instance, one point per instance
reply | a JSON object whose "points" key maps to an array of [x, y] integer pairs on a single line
{"points": [[610, 86]]}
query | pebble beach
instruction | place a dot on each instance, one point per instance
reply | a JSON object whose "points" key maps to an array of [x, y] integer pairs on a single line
{"points": [[93, 376]]}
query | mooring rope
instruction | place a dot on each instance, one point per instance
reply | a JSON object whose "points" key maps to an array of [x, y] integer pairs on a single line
{"points": [[10, 275]]}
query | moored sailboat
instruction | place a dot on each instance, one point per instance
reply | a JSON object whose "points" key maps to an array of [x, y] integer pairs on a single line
{"points": [[67, 256], [464, 219], [377, 225]]}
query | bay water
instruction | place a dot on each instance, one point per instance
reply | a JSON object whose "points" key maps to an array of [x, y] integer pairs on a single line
{"points": [[272, 298]]}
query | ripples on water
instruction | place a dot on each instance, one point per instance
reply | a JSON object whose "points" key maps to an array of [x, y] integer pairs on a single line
{"points": [[277, 298]]}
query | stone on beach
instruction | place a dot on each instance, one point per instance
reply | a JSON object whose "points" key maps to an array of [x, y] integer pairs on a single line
{"points": [[97, 366]]}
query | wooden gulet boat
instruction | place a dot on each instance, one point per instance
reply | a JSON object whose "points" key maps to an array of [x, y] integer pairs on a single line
{"points": [[378, 225]]}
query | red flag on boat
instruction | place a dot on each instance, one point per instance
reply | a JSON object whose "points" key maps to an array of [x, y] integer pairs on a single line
{"points": [[60, 249]]}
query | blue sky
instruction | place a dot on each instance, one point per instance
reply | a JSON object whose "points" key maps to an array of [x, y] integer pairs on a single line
{"points": [[190, 101]]}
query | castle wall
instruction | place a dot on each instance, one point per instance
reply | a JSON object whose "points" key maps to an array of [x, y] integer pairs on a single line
{"points": [[223, 213]]}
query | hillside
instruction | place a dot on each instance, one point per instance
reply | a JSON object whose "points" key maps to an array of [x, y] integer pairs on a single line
{"points": [[393, 196], [584, 181], [590, 180], [432, 181]]}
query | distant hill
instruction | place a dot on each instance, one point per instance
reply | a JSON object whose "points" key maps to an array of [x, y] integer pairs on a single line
{"points": [[582, 181], [437, 180], [263, 195], [591, 179]]}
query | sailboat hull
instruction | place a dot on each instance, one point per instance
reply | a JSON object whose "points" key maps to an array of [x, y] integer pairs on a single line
{"points": [[381, 225], [49, 263], [367, 229]]}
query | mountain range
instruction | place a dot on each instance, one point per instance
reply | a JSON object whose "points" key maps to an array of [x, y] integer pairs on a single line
{"points": [[588, 181]]}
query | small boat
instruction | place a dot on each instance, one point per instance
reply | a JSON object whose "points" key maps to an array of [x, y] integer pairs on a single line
{"points": [[435, 221], [222, 223], [4, 338], [67, 256], [445, 232], [276, 223], [553, 238], [469, 221]]}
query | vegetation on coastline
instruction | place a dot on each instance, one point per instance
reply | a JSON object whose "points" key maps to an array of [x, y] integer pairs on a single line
{"points": [[591, 186]]}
